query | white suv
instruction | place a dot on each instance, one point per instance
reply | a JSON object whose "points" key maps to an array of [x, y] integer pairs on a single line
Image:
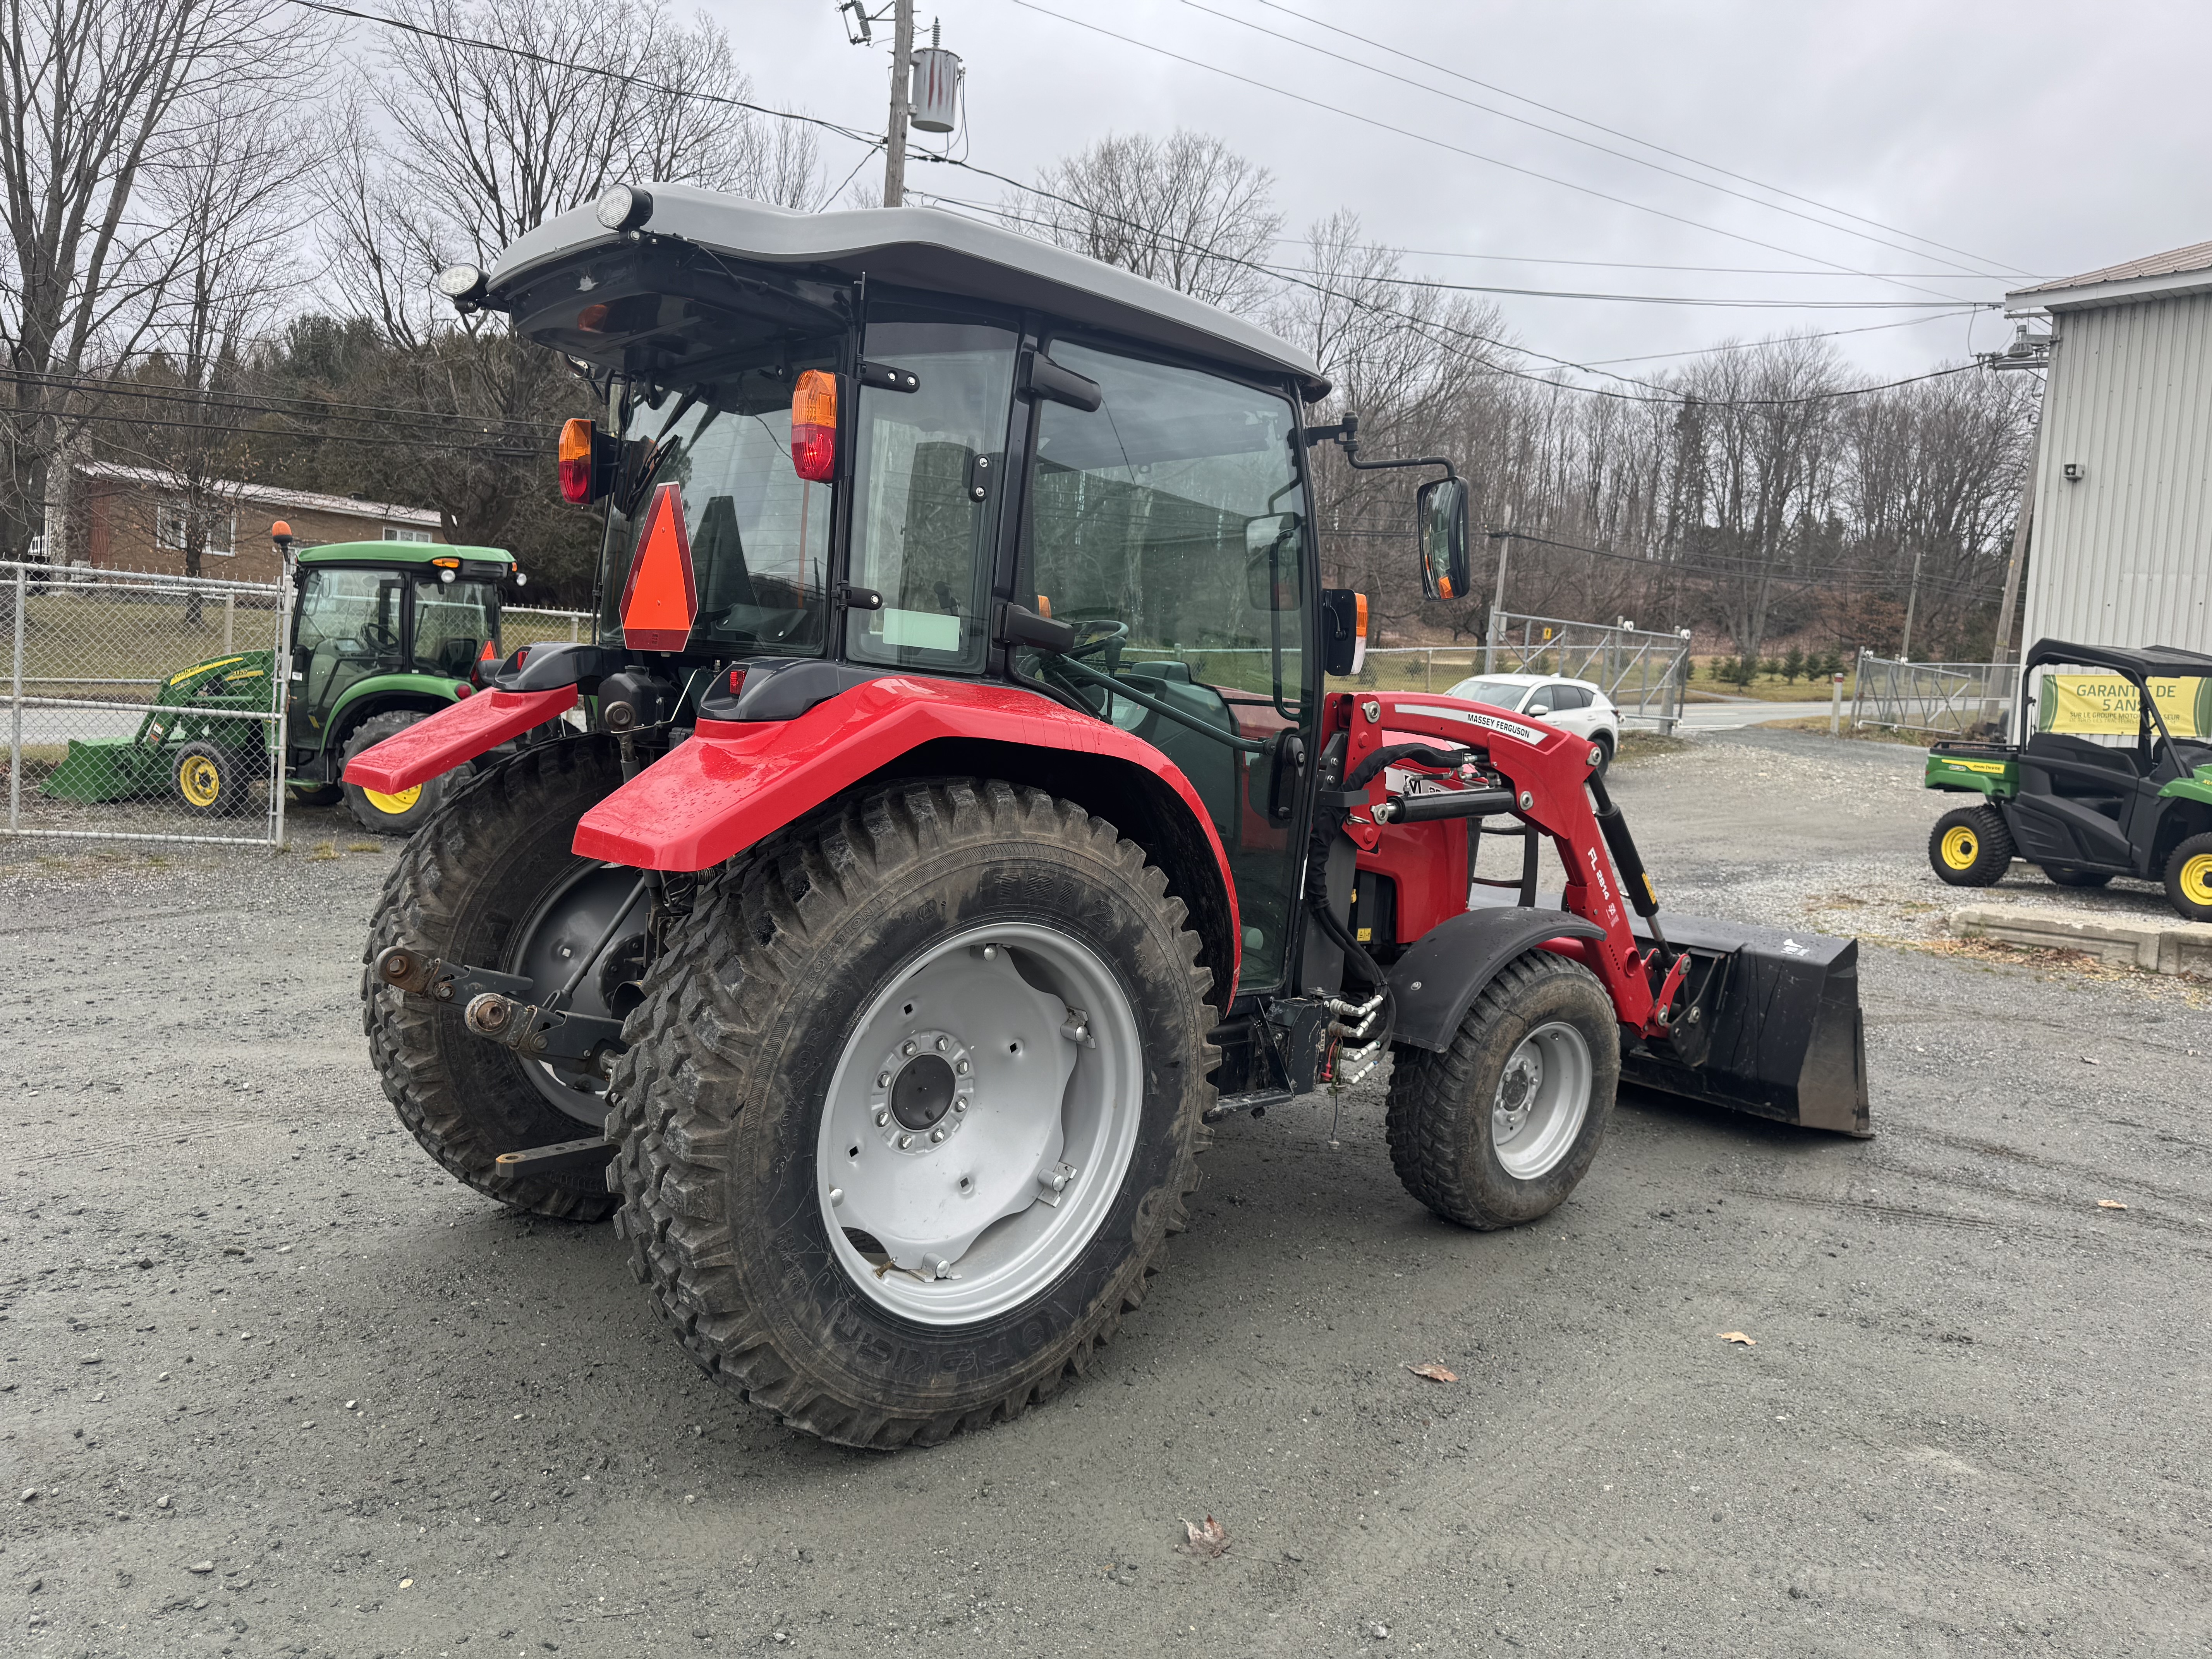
{"points": [[1575, 705]]}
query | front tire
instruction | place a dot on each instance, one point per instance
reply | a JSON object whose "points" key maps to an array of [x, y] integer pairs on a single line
{"points": [[1498, 1128], [1969, 847], [208, 781], [2189, 879], [372, 809], [485, 884], [819, 1244]]}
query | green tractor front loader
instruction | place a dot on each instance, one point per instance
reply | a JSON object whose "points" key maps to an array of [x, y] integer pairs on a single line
{"points": [[382, 634]]}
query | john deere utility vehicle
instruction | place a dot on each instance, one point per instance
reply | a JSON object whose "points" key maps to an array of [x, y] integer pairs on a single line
{"points": [[2086, 810], [962, 824], [383, 633]]}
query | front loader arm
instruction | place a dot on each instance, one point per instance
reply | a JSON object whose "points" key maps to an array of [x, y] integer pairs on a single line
{"points": [[1548, 772]]}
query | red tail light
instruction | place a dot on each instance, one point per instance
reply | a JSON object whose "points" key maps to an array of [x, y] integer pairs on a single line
{"points": [[814, 426], [576, 456]]}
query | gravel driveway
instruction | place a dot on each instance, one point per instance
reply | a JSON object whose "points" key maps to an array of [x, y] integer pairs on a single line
{"points": [[271, 1383]]}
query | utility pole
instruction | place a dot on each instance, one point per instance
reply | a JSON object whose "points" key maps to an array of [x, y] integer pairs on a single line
{"points": [[895, 138], [1496, 630], [1912, 602]]}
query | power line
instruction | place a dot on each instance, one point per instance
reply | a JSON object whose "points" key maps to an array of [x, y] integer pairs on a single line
{"points": [[1639, 264], [1439, 143], [1664, 395], [570, 63], [311, 408], [1585, 294], [1629, 137], [1538, 126]]}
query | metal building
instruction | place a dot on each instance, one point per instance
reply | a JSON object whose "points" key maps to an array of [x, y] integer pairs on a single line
{"points": [[2120, 551]]}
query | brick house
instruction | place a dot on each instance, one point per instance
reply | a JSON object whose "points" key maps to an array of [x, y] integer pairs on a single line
{"points": [[135, 519]]}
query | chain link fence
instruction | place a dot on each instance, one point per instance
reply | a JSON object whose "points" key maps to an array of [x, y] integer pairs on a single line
{"points": [[144, 708], [1643, 673], [520, 625], [1949, 699]]}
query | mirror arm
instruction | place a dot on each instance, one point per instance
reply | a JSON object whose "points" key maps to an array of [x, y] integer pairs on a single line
{"points": [[1346, 435]]}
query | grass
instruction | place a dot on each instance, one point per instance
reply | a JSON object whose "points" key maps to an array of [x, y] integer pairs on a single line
{"points": [[1765, 688], [1640, 746], [75, 631], [39, 759], [1861, 734]]}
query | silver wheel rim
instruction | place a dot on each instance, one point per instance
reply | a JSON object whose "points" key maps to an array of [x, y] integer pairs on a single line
{"points": [[979, 1123], [1543, 1096], [566, 922]]}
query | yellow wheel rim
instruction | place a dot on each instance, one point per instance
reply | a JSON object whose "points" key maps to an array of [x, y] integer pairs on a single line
{"points": [[199, 782], [1961, 846], [2197, 879], [396, 804]]}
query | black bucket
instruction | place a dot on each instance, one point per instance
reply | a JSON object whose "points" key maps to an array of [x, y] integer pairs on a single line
{"points": [[1771, 1026]]}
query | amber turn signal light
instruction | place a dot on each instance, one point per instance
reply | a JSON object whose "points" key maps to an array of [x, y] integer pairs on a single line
{"points": [[589, 459], [814, 426]]}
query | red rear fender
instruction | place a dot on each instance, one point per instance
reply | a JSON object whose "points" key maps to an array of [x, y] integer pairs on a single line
{"points": [[738, 782], [438, 743]]}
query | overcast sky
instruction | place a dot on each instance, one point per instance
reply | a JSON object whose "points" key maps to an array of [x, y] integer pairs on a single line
{"points": [[2030, 136]]}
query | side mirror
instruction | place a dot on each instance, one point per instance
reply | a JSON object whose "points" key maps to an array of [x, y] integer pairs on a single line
{"points": [[1271, 561], [1440, 507], [1536, 711]]}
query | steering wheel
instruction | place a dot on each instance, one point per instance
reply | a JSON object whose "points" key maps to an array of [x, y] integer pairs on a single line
{"points": [[378, 637], [1110, 633]]}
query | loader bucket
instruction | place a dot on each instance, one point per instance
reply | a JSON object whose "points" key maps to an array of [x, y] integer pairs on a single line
{"points": [[98, 770], [1771, 1026]]}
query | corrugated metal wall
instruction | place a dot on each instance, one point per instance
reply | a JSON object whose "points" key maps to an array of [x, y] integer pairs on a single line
{"points": [[2125, 555]]}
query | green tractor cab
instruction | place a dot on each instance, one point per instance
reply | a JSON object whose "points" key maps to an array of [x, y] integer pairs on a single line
{"points": [[382, 634], [2085, 810]]}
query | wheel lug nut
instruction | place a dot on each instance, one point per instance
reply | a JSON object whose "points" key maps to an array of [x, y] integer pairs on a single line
{"points": [[942, 1044], [959, 1105], [907, 1049], [883, 1080], [905, 1141], [936, 1135], [961, 1068], [882, 1119]]}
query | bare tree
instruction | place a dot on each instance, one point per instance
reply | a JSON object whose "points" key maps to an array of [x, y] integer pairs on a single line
{"points": [[1185, 210], [96, 94], [486, 143]]}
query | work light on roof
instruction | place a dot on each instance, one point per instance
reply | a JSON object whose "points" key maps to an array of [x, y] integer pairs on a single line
{"points": [[462, 284], [623, 207]]}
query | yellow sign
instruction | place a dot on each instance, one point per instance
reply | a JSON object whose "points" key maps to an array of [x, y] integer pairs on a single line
{"points": [[2104, 705]]}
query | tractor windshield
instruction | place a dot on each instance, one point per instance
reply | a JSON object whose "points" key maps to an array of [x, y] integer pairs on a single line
{"points": [[759, 533], [349, 625]]}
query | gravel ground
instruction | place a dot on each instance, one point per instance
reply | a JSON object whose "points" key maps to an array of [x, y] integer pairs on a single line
{"points": [[271, 1383]]}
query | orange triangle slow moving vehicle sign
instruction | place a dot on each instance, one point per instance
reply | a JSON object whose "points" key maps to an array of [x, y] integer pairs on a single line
{"points": [[660, 600]]}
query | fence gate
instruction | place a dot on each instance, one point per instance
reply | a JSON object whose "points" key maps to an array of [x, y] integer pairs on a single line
{"points": [[1643, 673], [1953, 698], [144, 708]]}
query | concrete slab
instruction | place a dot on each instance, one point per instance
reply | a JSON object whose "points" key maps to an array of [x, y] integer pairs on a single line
{"points": [[2158, 947]]}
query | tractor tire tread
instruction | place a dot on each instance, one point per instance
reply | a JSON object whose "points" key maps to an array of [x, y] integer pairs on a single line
{"points": [[1429, 1093], [416, 905], [673, 1106]]}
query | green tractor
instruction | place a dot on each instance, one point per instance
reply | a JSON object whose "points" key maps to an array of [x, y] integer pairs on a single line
{"points": [[383, 633]]}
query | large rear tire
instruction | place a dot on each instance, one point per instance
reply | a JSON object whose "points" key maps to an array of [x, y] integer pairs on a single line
{"points": [[491, 880], [912, 1107], [1969, 847], [1498, 1128]]}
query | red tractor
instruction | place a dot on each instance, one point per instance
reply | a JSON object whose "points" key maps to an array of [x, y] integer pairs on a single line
{"points": [[958, 823]]}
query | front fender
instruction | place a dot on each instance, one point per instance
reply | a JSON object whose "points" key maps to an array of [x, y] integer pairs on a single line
{"points": [[1442, 973], [736, 782]]}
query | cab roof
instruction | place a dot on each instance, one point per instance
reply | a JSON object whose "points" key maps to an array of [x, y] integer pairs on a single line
{"points": [[2141, 663], [399, 553], [928, 248]]}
